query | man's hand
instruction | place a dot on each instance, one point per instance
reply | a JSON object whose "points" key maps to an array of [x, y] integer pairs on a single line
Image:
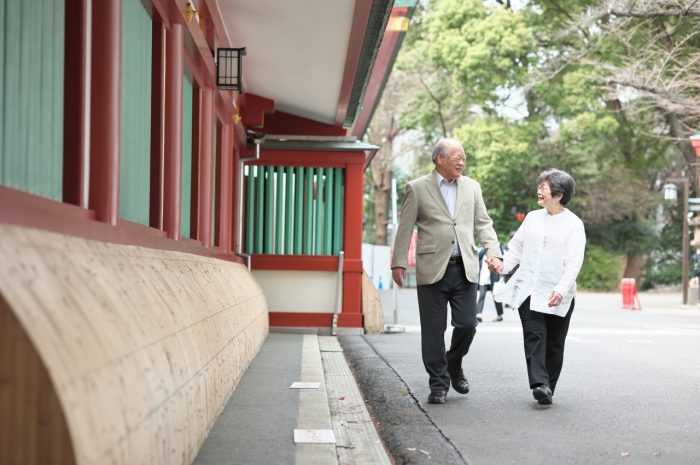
{"points": [[555, 299], [399, 274], [495, 264]]}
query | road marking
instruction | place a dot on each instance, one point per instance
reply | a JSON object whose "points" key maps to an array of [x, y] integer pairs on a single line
{"points": [[580, 339]]}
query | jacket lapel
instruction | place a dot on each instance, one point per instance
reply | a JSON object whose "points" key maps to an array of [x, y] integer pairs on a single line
{"points": [[461, 194], [435, 192]]}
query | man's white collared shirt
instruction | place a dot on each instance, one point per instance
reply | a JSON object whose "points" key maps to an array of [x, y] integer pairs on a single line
{"points": [[449, 193]]}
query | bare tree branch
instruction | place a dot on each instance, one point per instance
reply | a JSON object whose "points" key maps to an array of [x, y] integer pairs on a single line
{"points": [[438, 102]]}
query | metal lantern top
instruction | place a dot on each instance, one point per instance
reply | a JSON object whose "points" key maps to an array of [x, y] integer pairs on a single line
{"points": [[229, 70], [670, 192]]}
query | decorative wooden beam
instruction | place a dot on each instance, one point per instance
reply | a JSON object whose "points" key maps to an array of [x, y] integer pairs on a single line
{"points": [[285, 123], [253, 109]]}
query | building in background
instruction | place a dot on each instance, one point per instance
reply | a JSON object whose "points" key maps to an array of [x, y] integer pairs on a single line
{"points": [[154, 225]]}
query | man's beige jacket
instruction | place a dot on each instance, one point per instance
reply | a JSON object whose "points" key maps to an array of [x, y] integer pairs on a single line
{"points": [[425, 208]]}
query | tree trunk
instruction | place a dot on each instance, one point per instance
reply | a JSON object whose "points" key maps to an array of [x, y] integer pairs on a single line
{"points": [[633, 267], [380, 216], [382, 174]]}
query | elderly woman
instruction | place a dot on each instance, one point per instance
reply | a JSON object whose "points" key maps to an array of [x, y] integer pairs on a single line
{"points": [[544, 257]]}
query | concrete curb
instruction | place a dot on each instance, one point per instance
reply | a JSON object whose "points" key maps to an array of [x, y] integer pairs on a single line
{"points": [[407, 430]]}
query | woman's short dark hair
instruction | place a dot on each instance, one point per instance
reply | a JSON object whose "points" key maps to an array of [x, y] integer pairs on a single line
{"points": [[560, 182]]}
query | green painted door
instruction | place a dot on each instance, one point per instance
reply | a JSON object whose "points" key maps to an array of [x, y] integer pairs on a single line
{"points": [[135, 165], [186, 157], [31, 96]]}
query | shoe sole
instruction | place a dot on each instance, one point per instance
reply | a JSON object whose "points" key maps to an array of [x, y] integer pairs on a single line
{"points": [[542, 398], [439, 402]]}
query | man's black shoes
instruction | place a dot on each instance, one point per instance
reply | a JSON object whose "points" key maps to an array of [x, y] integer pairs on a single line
{"points": [[460, 383], [437, 397], [542, 394]]}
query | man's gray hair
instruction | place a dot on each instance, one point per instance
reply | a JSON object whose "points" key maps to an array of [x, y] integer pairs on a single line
{"points": [[442, 147], [560, 182]]}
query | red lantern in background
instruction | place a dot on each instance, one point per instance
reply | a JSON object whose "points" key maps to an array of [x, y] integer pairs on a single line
{"points": [[695, 142], [520, 216]]}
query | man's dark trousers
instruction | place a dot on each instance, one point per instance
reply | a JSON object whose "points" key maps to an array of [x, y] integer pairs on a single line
{"points": [[432, 303]]}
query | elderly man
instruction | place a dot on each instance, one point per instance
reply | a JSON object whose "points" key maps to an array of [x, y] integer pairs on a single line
{"points": [[447, 209]]}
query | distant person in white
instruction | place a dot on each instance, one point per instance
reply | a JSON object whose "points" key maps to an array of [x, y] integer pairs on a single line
{"points": [[545, 257]]}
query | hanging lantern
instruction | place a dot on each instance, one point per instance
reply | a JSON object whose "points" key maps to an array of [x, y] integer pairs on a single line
{"points": [[229, 68], [670, 192]]}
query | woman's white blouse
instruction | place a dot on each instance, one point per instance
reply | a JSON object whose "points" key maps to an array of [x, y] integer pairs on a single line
{"points": [[549, 249]]}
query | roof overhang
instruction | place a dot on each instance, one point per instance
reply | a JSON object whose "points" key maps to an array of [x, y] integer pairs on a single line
{"points": [[330, 144], [312, 58]]}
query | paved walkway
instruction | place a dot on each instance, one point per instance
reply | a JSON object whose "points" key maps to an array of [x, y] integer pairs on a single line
{"points": [[263, 422], [628, 394]]}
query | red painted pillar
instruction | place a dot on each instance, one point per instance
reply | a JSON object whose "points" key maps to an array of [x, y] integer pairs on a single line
{"points": [[172, 181], [351, 315], [75, 93], [206, 165], [235, 192], [195, 178], [224, 187], [157, 124], [105, 110], [220, 164]]}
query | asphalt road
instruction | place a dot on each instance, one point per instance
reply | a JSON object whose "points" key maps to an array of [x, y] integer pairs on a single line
{"points": [[629, 391]]}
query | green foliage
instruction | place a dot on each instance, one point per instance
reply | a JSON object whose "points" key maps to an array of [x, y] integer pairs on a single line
{"points": [[462, 52], [505, 168], [535, 87], [601, 270]]}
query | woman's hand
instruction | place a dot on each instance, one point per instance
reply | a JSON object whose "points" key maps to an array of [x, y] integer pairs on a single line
{"points": [[495, 264], [555, 299]]}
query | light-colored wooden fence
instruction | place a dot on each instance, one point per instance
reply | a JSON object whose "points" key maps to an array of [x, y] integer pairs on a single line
{"points": [[114, 354], [371, 307]]}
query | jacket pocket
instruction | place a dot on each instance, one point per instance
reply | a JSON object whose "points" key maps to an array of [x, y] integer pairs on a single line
{"points": [[426, 248]]}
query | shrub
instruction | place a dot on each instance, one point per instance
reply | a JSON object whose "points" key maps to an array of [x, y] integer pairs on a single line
{"points": [[601, 270]]}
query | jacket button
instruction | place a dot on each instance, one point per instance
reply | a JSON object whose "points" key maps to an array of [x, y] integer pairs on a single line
{"points": [[453, 242], [455, 224]]}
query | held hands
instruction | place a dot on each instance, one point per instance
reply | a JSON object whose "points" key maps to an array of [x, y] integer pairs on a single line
{"points": [[555, 299], [399, 274], [495, 264]]}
